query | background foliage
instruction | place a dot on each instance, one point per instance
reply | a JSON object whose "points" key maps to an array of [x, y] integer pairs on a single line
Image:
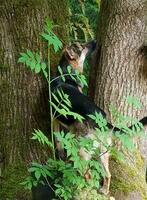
{"points": [[84, 15], [83, 19]]}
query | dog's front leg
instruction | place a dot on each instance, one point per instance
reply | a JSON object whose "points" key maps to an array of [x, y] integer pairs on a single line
{"points": [[60, 151], [107, 178], [86, 156]]}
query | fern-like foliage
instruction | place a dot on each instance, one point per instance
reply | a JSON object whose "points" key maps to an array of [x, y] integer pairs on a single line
{"points": [[83, 19]]}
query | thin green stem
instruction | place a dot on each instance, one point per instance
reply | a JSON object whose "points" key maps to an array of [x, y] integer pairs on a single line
{"points": [[50, 99], [61, 76]]}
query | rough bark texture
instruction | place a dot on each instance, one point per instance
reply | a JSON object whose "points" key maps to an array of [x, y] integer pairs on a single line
{"points": [[120, 69], [23, 95]]}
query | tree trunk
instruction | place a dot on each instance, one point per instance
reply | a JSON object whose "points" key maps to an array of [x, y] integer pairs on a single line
{"points": [[120, 66], [23, 95]]}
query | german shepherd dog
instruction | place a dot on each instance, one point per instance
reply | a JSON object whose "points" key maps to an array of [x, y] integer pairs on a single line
{"points": [[75, 55]]}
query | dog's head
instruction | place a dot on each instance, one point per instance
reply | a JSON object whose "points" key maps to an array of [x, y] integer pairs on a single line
{"points": [[76, 53]]}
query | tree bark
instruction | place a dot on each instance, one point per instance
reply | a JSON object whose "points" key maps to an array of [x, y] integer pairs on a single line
{"points": [[23, 95], [119, 70]]}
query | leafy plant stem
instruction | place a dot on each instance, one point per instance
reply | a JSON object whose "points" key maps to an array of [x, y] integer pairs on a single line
{"points": [[61, 76], [51, 187], [50, 99]]}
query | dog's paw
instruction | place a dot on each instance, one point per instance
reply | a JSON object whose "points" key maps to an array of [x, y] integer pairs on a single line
{"points": [[112, 198], [104, 190]]}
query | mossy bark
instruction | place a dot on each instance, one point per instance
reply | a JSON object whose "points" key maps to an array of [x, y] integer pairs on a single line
{"points": [[120, 70], [128, 178], [90, 195], [23, 95]]}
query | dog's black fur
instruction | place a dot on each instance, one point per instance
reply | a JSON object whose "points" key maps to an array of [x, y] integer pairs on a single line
{"points": [[43, 191]]}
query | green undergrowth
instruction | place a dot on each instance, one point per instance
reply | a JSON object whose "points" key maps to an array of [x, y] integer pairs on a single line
{"points": [[12, 176]]}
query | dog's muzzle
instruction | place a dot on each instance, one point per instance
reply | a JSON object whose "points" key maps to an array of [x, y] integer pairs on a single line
{"points": [[90, 46]]}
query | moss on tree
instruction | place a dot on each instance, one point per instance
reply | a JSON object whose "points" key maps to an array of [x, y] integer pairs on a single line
{"points": [[90, 195], [128, 176], [13, 175]]}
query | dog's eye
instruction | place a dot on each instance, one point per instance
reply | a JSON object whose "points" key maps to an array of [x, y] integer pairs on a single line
{"points": [[82, 46], [78, 51], [78, 46]]}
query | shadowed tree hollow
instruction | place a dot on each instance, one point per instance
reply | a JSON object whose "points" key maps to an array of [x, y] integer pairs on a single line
{"points": [[23, 95]]}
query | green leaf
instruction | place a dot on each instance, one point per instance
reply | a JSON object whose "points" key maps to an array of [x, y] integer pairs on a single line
{"points": [[38, 59], [45, 74], [22, 59], [69, 69], [32, 64], [134, 101], [43, 66], [67, 102], [55, 97], [54, 105], [30, 54], [39, 135], [76, 116], [126, 141], [32, 169], [37, 68], [46, 36], [65, 107], [60, 70], [60, 94], [63, 78], [73, 78], [92, 117], [49, 24], [37, 174], [77, 72], [57, 44], [28, 62], [24, 55], [83, 79]]}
